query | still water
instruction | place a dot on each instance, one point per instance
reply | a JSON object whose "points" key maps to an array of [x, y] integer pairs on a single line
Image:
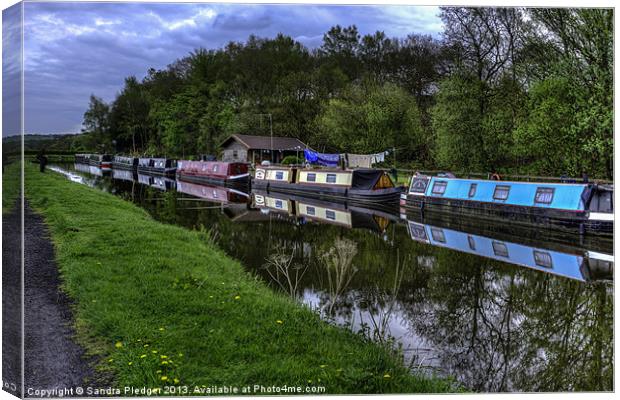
{"points": [[496, 308]]}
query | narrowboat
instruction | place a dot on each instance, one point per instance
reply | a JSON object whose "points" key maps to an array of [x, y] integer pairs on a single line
{"points": [[128, 163], [213, 172], [158, 166], [103, 161], [312, 210], [574, 207], [216, 194], [582, 265], [362, 186]]}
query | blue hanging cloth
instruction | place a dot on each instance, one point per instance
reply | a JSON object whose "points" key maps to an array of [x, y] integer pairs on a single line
{"points": [[328, 160]]}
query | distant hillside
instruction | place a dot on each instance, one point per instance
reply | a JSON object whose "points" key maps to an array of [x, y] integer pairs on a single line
{"points": [[50, 143]]}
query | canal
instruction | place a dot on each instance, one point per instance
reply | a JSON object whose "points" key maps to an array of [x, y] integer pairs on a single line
{"points": [[497, 308]]}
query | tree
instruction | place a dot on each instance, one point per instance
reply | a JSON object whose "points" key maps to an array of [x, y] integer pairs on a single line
{"points": [[97, 120]]}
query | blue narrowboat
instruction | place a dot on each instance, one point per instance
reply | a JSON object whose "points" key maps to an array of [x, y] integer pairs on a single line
{"points": [[576, 207], [581, 265]]}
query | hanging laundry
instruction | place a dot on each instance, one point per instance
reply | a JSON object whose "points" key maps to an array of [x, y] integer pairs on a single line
{"points": [[329, 160], [359, 160]]}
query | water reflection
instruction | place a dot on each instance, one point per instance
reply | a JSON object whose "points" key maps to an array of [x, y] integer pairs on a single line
{"points": [[498, 308]]}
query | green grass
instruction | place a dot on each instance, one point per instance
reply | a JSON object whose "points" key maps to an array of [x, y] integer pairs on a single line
{"points": [[10, 186], [155, 300]]}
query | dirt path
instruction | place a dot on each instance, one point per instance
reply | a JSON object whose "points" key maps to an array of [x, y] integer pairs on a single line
{"points": [[11, 302], [52, 360]]}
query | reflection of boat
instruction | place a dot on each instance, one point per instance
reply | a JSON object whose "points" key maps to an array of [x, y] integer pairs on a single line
{"points": [[213, 172], [89, 169], [575, 263], [158, 166], [121, 162], [308, 209], [216, 194], [163, 183], [124, 174], [358, 185], [565, 206]]}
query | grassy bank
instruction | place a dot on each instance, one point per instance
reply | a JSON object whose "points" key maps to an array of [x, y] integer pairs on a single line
{"points": [[161, 305], [10, 186]]}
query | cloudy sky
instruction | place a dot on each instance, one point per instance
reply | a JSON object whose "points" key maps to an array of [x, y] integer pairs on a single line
{"points": [[74, 49]]}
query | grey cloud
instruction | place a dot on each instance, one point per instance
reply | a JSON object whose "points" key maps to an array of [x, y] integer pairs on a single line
{"points": [[68, 55]]}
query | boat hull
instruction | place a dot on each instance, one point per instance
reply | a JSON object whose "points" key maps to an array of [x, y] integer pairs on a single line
{"points": [[238, 181], [127, 167], [544, 218], [340, 194], [170, 172]]}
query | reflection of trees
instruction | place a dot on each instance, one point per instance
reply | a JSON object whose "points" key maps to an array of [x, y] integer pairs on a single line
{"points": [[280, 267], [338, 261], [381, 303], [501, 328]]}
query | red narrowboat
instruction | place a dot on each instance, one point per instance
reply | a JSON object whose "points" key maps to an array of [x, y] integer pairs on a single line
{"points": [[214, 172]]}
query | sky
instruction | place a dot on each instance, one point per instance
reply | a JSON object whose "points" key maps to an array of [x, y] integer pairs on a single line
{"points": [[73, 49]]}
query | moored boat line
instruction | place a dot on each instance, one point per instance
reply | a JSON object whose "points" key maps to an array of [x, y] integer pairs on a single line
{"points": [[576, 207]]}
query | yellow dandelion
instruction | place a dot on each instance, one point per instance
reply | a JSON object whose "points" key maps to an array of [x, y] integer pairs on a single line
{"points": [[130, 362], [146, 345], [163, 356], [323, 366], [387, 376], [110, 360], [176, 380], [237, 297], [139, 340], [180, 354], [164, 378], [158, 371], [210, 297], [143, 355], [118, 345], [162, 329], [154, 351], [279, 321], [164, 363]]}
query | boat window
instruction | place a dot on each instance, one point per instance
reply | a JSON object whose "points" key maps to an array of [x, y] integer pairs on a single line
{"points": [[311, 177], [418, 185], [544, 195], [501, 192], [331, 178], [439, 187], [216, 167], [472, 242], [543, 259], [235, 153], [310, 211], [278, 203], [500, 249], [215, 194], [330, 214], [472, 189], [279, 174], [417, 231], [438, 235]]}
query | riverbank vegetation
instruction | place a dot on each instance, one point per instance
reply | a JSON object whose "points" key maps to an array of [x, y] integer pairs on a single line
{"points": [[161, 305], [510, 90]]}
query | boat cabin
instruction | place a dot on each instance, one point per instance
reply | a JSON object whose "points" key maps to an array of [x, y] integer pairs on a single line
{"points": [[361, 179]]}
